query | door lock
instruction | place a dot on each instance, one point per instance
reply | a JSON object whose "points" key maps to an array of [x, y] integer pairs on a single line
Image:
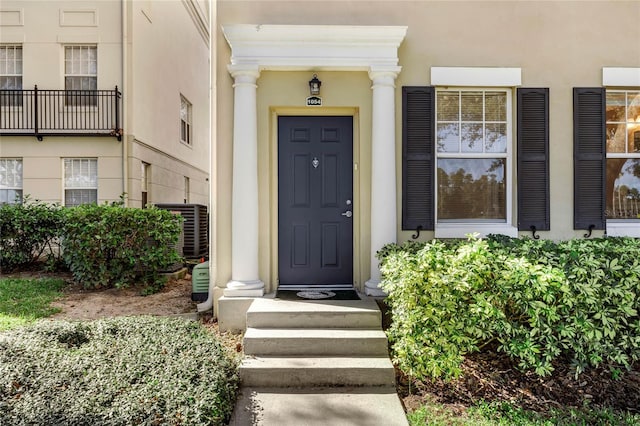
{"points": [[348, 213]]}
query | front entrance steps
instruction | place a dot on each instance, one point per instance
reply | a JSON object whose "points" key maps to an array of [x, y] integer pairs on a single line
{"points": [[315, 343]]}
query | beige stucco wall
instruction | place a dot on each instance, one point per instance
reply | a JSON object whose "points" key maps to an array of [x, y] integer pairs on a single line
{"points": [[42, 163], [168, 56], [166, 53], [44, 29], [559, 45]]}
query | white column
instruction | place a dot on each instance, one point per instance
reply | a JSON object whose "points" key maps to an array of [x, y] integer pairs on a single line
{"points": [[383, 169], [245, 279]]}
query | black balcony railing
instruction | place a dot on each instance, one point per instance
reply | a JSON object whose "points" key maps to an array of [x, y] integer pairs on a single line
{"points": [[42, 113]]}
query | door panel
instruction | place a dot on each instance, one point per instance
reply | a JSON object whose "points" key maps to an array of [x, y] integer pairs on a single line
{"points": [[315, 188]]}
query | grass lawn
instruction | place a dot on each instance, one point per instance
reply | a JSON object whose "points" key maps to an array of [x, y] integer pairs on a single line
{"points": [[506, 414], [23, 300]]}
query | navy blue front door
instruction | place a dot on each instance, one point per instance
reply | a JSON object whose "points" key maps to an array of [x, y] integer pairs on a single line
{"points": [[315, 200]]}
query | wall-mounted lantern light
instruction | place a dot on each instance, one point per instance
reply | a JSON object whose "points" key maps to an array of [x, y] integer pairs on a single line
{"points": [[314, 86]]}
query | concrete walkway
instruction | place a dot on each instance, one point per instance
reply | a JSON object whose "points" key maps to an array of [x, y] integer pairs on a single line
{"points": [[336, 406]]}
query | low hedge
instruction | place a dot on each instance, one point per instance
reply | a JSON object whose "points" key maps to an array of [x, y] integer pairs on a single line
{"points": [[113, 246], [537, 300], [28, 231], [102, 245], [120, 371]]}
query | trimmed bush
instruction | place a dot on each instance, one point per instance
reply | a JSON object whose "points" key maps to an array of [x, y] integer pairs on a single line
{"points": [[110, 245], [536, 299], [28, 231], [120, 371]]}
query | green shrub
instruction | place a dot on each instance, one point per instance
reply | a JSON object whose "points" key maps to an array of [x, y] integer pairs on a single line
{"points": [[537, 300], [110, 245], [120, 371], [28, 231]]}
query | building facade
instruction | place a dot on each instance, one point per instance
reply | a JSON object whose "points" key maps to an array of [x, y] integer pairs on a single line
{"points": [[435, 119], [105, 98]]}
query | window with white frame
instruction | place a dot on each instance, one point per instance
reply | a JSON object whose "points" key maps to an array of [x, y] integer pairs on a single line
{"points": [[473, 146], [144, 183], [10, 180], [185, 120], [81, 75], [187, 190], [80, 181], [623, 154], [11, 75]]}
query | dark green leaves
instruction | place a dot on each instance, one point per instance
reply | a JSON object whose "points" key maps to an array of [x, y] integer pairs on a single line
{"points": [[537, 299]]}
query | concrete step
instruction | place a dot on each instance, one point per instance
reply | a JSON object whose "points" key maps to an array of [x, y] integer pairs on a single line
{"points": [[317, 371], [338, 406], [314, 342], [273, 313]]}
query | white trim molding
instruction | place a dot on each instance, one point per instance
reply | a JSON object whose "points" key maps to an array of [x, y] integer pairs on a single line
{"points": [[78, 17], [318, 47], [461, 230], [476, 76], [621, 76], [623, 228], [11, 18]]}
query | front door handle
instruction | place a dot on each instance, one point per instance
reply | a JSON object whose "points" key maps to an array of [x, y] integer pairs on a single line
{"points": [[348, 213]]}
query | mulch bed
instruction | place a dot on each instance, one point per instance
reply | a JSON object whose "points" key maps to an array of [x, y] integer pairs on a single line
{"points": [[491, 376]]}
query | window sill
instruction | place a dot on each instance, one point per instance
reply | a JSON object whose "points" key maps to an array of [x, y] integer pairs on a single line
{"points": [[461, 230], [630, 228]]}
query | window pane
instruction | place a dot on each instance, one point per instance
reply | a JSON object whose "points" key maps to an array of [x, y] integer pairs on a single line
{"points": [[496, 137], [495, 106], [75, 197], [448, 106], [14, 196], [616, 137], [10, 173], [623, 188], [615, 107], [184, 110], [80, 173], [633, 111], [448, 137], [472, 189], [471, 106], [471, 137]]}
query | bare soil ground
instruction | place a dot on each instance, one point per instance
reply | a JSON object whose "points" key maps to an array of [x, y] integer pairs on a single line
{"points": [[174, 298]]}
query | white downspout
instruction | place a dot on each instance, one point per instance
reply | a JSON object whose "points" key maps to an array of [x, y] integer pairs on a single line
{"points": [[208, 304], [125, 108]]}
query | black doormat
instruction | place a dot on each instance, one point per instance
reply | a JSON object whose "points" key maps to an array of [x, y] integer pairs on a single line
{"points": [[317, 295]]}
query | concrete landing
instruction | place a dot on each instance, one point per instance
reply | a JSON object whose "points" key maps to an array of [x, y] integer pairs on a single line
{"points": [[342, 406]]}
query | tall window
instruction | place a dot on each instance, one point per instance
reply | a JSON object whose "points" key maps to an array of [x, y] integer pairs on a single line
{"points": [[185, 120], [623, 154], [473, 139], [80, 181], [11, 75], [81, 74], [10, 180], [144, 183], [186, 190]]}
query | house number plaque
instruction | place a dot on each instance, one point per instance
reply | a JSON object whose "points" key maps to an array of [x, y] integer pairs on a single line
{"points": [[314, 101]]}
